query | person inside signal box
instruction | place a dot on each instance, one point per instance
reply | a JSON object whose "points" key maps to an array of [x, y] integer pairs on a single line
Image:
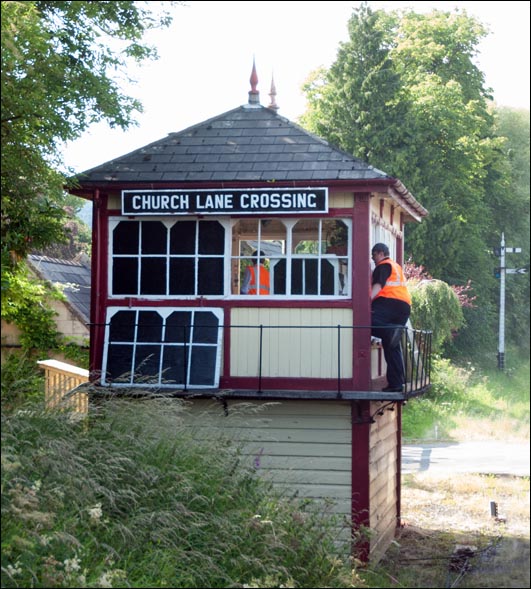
{"points": [[390, 310], [256, 279]]}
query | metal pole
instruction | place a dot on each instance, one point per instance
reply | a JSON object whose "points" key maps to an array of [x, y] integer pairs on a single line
{"points": [[501, 335]]}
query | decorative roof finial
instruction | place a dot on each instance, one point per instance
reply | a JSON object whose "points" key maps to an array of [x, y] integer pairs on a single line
{"points": [[254, 95], [273, 92]]}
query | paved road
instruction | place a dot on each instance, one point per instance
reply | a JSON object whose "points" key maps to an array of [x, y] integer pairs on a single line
{"points": [[491, 457]]}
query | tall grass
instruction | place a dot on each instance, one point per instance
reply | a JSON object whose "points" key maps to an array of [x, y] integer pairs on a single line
{"points": [[464, 400], [130, 498]]}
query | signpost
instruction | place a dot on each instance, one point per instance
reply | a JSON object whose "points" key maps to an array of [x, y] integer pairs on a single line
{"points": [[501, 272]]}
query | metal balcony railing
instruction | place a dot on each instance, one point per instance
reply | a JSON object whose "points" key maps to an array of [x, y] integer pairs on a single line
{"points": [[262, 353]]}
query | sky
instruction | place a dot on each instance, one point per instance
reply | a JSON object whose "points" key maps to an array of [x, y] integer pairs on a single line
{"points": [[206, 59]]}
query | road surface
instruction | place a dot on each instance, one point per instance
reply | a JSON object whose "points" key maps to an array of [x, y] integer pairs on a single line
{"points": [[490, 457]]}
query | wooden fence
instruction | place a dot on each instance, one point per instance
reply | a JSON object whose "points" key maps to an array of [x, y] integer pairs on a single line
{"points": [[61, 381]]}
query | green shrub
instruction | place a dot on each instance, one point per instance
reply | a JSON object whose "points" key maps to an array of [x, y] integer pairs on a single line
{"points": [[435, 307], [22, 381]]}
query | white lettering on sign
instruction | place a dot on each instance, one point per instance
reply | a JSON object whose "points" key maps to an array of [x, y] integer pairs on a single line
{"points": [[160, 202], [224, 201], [274, 200], [214, 201]]}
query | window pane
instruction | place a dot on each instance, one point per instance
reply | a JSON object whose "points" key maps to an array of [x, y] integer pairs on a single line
{"points": [[122, 328], [203, 366], [174, 364], [125, 276], [182, 276], [153, 237], [305, 237], [335, 237], [278, 269], [147, 364], [153, 276], [178, 327], [304, 277], [211, 238], [149, 327], [119, 360], [125, 237], [182, 238], [210, 276], [205, 328], [327, 278]]}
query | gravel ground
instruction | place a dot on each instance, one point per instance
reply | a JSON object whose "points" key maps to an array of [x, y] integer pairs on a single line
{"points": [[449, 538]]}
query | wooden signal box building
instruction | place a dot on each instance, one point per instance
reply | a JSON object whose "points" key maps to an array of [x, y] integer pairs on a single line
{"points": [[175, 226]]}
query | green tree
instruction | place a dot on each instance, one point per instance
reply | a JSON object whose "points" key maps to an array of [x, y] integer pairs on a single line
{"points": [[60, 68], [58, 63], [435, 307], [420, 112], [513, 220]]}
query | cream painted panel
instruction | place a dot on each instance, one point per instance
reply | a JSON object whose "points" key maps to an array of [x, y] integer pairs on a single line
{"points": [[288, 351], [341, 200], [302, 447]]}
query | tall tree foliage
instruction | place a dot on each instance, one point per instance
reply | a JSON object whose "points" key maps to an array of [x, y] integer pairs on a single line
{"points": [[60, 62], [514, 221], [405, 94], [59, 67]]}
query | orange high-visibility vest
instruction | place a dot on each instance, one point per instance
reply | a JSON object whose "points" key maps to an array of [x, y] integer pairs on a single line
{"points": [[395, 286], [264, 287]]}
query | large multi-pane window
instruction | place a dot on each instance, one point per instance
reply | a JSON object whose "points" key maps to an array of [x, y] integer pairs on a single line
{"points": [[167, 258], [304, 257], [162, 347]]}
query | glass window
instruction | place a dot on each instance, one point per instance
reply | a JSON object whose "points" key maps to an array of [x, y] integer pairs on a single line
{"points": [[162, 347], [296, 257], [306, 257], [156, 258]]}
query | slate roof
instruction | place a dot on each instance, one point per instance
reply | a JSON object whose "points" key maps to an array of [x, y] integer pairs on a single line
{"points": [[74, 277], [250, 143]]}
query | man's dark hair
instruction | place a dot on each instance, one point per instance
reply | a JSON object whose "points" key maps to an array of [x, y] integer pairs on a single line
{"points": [[380, 247], [260, 255]]}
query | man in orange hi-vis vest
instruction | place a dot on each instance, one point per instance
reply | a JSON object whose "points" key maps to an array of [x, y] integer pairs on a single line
{"points": [[256, 279], [390, 310]]}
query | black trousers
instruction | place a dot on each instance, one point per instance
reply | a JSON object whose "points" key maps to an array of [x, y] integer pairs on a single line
{"points": [[387, 319]]}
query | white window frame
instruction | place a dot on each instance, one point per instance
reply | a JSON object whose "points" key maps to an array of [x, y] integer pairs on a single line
{"points": [[164, 312]]}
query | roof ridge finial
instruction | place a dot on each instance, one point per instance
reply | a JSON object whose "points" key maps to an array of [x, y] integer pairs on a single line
{"points": [[273, 93], [254, 95]]}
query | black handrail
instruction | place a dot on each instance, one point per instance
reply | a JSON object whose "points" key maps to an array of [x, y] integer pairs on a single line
{"points": [[416, 350]]}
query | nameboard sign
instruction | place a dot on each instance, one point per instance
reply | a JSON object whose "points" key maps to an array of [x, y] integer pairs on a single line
{"points": [[252, 201]]}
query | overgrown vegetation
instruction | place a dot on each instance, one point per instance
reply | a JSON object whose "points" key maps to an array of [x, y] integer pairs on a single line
{"points": [[114, 501], [463, 399], [121, 502]]}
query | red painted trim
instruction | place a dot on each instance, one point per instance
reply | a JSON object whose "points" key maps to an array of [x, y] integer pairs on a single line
{"points": [[382, 205], [285, 383], [332, 213], [400, 250], [95, 281], [360, 481], [259, 302], [392, 214], [361, 345], [100, 236], [375, 185]]}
